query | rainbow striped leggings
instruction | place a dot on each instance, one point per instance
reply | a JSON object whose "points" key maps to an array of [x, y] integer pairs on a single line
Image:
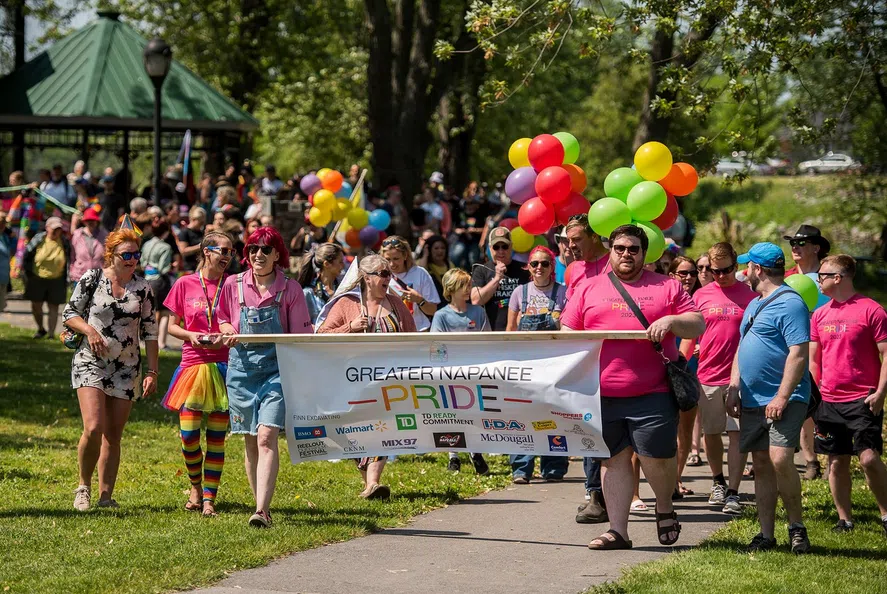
{"points": [[207, 471]]}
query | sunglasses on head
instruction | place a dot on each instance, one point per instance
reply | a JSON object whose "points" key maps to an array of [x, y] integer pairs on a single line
{"points": [[391, 242], [722, 271], [381, 273], [500, 247], [693, 273], [542, 263], [633, 250], [266, 249], [797, 242], [222, 251], [127, 256]]}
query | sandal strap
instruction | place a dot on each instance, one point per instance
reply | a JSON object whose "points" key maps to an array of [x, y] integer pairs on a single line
{"points": [[618, 541]]}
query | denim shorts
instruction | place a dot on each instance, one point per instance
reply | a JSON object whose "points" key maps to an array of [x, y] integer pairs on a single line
{"points": [[255, 398], [648, 424]]}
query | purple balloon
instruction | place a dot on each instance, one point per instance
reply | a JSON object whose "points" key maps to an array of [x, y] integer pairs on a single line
{"points": [[310, 184], [521, 185], [369, 236]]}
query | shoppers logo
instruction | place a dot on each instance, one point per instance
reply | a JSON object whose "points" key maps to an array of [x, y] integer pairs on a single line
{"points": [[450, 440], [557, 443], [544, 425], [406, 422], [501, 425], [310, 432], [567, 415], [587, 417]]}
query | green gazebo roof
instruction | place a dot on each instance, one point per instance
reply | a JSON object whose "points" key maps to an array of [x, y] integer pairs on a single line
{"points": [[95, 77]]}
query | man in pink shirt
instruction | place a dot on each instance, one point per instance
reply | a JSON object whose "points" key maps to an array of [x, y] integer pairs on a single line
{"points": [[638, 413], [722, 304], [848, 359], [591, 257]]}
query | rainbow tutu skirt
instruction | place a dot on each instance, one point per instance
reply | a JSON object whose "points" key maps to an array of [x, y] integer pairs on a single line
{"points": [[198, 387]]}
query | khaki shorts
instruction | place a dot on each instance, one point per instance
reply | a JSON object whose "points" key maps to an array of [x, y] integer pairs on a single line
{"points": [[713, 411]]}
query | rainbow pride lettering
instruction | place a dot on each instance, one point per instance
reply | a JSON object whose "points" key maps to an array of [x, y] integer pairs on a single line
{"points": [[455, 396]]}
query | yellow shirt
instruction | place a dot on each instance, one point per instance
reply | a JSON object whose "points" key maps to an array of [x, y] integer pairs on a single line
{"points": [[49, 261]]}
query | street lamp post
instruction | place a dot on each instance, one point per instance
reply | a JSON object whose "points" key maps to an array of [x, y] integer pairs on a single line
{"points": [[158, 57]]}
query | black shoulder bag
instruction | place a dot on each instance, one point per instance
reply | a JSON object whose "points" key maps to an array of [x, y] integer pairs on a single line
{"points": [[682, 382]]}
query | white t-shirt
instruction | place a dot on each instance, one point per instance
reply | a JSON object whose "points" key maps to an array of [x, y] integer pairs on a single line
{"points": [[419, 279]]}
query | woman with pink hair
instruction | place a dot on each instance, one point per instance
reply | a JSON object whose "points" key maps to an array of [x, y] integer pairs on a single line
{"points": [[260, 300]]}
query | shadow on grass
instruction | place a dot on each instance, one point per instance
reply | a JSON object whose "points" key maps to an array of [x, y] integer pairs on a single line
{"points": [[815, 550], [24, 442]]}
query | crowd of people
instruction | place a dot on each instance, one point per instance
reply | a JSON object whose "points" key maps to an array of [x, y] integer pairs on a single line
{"points": [[209, 267]]}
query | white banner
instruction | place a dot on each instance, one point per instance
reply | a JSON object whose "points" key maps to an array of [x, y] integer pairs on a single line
{"points": [[352, 397]]}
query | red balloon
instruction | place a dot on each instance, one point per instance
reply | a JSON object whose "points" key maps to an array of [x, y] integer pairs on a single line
{"points": [[681, 179], [577, 177], [311, 200], [378, 246], [535, 217], [545, 151], [575, 204], [352, 238], [669, 215], [509, 224], [553, 185], [568, 273]]}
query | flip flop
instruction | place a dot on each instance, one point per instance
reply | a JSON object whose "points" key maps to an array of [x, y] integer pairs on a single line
{"points": [[379, 492], [195, 507], [211, 512], [685, 491], [609, 544], [639, 506], [664, 530]]}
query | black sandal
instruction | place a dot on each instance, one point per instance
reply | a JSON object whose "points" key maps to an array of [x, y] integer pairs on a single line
{"points": [[663, 531], [606, 544]]}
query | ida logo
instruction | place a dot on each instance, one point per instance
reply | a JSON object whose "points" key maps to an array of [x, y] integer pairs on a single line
{"points": [[500, 425], [450, 440], [310, 432], [544, 425], [557, 443]]}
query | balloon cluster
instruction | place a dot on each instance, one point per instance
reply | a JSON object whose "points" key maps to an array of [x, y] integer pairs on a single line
{"points": [[546, 183], [328, 194], [644, 195]]}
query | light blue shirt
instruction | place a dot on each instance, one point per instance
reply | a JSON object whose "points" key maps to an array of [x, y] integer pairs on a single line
{"points": [[559, 269], [783, 323], [7, 251], [448, 319]]}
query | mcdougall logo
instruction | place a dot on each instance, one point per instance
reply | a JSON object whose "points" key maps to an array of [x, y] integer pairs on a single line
{"points": [[310, 432], [450, 440], [506, 438]]}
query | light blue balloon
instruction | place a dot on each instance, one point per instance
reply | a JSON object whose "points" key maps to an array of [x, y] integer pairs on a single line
{"points": [[345, 191], [380, 219]]}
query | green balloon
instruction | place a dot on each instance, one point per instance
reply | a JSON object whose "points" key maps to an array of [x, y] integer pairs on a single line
{"points": [[606, 214], [806, 288], [656, 239], [571, 146], [646, 201], [620, 181]]}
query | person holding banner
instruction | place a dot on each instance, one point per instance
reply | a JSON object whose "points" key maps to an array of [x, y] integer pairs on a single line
{"points": [[365, 305], [260, 300], [495, 281], [198, 385], [638, 412], [412, 283]]}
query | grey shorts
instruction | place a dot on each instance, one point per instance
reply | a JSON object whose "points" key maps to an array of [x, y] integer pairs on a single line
{"points": [[757, 433], [648, 424]]}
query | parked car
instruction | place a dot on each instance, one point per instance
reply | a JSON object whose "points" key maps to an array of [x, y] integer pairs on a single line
{"points": [[732, 165], [830, 163]]}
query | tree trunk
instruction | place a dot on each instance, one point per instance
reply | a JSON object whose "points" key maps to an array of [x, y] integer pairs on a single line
{"points": [[17, 8], [254, 26]]}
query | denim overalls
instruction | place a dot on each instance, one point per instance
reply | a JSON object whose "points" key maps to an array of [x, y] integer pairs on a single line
{"points": [[255, 396], [538, 322]]}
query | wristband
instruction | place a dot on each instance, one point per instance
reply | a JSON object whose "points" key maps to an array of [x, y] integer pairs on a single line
{"points": [[151, 372], [423, 302]]}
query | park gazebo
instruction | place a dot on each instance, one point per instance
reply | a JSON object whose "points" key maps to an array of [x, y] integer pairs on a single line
{"points": [[89, 92]]}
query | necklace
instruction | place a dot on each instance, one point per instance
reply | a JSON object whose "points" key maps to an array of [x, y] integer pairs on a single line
{"points": [[262, 275]]}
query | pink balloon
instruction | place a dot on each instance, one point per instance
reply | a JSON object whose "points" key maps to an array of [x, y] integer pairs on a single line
{"points": [[553, 185], [535, 217], [509, 224], [545, 151], [575, 204], [520, 185]]}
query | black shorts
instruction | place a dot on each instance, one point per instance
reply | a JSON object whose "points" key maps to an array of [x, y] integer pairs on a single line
{"points": [[161, 287], [847, 428], [49, 290], [648, 424]]}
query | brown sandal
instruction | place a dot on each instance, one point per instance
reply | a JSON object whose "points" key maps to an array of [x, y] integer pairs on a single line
{"points": [[195, 507], [209, 510], [610, 544], [664, 530]]}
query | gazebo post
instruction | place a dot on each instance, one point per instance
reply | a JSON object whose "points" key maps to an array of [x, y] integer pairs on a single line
{"points": [[125, 156], [18, 151], [84, 149]]}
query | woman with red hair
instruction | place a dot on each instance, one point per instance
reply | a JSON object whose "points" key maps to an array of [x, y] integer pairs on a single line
{"points": [[260, 300]]}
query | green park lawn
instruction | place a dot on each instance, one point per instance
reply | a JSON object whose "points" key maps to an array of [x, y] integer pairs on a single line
{"points": [[151, 544]]}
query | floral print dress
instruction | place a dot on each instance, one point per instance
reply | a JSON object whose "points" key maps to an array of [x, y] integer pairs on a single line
{"points": [[122, 322]]}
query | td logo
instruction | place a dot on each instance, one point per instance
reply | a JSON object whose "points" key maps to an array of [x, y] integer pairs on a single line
{"points": [[406, 422]]}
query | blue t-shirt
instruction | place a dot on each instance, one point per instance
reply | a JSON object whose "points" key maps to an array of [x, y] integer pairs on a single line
{"points": [[785, 322], [559, 269], [448, 319]]}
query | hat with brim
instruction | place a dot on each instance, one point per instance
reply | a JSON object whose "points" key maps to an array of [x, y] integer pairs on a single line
{"points": [[500, 235], [53, 223], [814, 236], [91, 215], [764, 254]]}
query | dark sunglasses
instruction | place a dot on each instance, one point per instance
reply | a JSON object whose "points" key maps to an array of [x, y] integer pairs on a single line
{"points": [[542, 263], [704, 268], [693, 273], [381, 274], [580, 217], [391, 242], [633, 250], [824, 275], [266, 249], [722, 271], [222, 251], [499, 247], [127, 256], [797, 242]]}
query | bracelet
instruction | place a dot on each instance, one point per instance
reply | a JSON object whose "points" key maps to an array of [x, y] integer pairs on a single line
{"points": [[151, 372], [423, 302]]}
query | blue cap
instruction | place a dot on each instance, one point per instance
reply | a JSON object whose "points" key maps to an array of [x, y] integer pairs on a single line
{"points": [[764, 254]]}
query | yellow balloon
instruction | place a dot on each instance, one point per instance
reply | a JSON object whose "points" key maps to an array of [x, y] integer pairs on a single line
{"points": [[323, 172], [653, 161], [517, 154], [340, 210], [324, 200], [318, 218], [521, 241], [358, 218]]}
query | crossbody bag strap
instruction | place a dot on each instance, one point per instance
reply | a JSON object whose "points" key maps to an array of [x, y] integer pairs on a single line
{"points": [[525, 291], [635, 310], [764, 303]]}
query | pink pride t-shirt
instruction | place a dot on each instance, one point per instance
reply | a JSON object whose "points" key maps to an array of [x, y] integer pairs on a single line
{"points": [[187, 300], [582, 271], [848, 335], [722, 310], [294, 315], [629, 367]]}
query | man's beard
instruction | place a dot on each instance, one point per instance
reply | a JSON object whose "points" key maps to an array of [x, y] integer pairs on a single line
{"points": [[636, 268], [753, 280]]}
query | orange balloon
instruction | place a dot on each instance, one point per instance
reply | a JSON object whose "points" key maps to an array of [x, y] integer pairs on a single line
{"points": [[352, 238], [577, 177], [331, 180], [681, 180]]}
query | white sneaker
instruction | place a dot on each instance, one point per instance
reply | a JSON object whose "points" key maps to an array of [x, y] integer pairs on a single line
{"points": [[718, 494], [732, 505], [81, 498]]}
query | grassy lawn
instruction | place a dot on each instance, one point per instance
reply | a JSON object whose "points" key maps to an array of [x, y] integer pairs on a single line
{"points": [[151, 544], [840, 563]]}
